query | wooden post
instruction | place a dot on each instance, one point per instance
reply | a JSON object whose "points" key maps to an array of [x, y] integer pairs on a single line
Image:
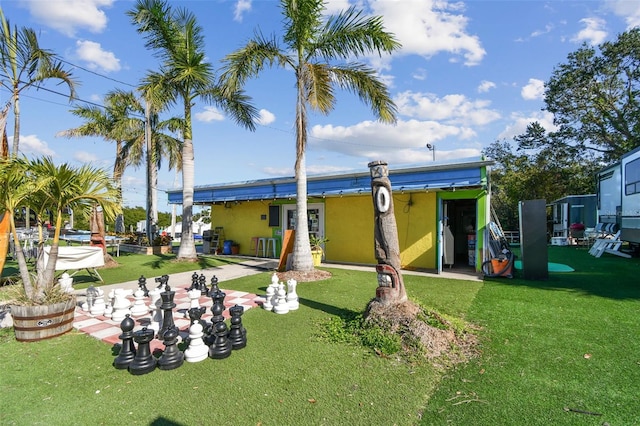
{"points": [[391, 288]]}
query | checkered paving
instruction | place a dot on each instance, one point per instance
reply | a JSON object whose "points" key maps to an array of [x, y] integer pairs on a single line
{"points": [[105, 329]]}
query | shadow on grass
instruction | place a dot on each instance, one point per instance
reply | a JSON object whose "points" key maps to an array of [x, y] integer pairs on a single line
{"points": [[607, 276], [330, 309], [162, 421]]}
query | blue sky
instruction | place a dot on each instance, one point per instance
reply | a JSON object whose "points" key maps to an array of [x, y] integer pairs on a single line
{"points": [[469, 73]]}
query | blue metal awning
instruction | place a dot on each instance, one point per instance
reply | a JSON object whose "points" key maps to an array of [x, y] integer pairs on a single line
{"points": [[435, 177]]}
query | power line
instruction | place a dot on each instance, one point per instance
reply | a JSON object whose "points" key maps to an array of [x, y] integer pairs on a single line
{"points": [[97, 73]]}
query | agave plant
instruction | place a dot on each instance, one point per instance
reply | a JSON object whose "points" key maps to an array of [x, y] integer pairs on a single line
{"points": [[48, 190]]}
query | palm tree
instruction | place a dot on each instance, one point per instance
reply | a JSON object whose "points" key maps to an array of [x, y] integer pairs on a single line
{"points": [[24, 65], [185, 76], [110, 123], [310, 48], [45, 187], [123, 121]]}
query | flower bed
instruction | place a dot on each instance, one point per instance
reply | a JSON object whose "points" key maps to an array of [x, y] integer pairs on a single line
{"points": [[148, 250]]}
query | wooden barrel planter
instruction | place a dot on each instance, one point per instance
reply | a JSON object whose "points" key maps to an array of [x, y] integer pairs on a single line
{"points": [[39, 322]]}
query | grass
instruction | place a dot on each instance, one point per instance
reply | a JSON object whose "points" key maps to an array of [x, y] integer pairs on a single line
{"points": [[570, 341], [566, 343]]}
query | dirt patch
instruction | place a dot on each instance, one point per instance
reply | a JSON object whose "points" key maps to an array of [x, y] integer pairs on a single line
{"points": [[303, 277], [424, 332]]}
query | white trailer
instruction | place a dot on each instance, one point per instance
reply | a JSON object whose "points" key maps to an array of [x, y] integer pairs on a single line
{"points": [[619, 196], [630, 190]]}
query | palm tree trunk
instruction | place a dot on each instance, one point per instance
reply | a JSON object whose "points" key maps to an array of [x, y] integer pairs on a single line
{"points": [[46, 281], [187, 244], [16, 124], [149, 157], [302, 260], [22, 262]]}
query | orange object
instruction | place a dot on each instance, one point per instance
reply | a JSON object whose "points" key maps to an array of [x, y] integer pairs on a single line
{"points": [[287, 249], [501, 267], [5, 225]]}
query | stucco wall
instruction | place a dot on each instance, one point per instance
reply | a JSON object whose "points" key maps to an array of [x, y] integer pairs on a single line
{"points": [[243, 221], [349, 227]]}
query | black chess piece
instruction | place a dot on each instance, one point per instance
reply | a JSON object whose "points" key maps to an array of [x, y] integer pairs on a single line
{"points": [[164, 280], [221, 347], [142, 285], [172, 357], [195, 284], [196, 313], [143, 362], [159, 281], [214, 285], [128, 349], [167, 309], [202, 282], [237, 333], [217, 308]]}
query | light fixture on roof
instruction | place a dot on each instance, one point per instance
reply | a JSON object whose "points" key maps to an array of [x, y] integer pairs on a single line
{"points": [[431, 147]]}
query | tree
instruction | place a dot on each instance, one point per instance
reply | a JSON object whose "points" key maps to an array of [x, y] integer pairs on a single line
{"points": [[45, 187], [595, 98], [24, 65], [310, 47], [176, 38], [537, 169], [123, 122]]}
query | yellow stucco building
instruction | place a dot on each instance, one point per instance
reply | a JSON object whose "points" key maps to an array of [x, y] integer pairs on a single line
{"points": [[441, 210]]}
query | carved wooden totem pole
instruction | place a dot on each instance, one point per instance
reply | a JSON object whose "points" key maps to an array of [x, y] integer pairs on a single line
{"points": [[387, 250]]}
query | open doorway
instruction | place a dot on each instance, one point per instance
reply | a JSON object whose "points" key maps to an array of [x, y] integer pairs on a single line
{"points": [[459, 220]]}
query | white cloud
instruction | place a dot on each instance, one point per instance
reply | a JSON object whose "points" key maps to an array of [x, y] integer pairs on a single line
{"points": [[334, 7], [628, 10], [534, 90], [68, 16], [209, 114], [266, 117], [429, 27], [95, 57], [31, 144], [520, 122], [451, 109], [538, 33], [403, 143], [485, 86], [85, 157], [242, 6], [420, 74], [593, 33]]}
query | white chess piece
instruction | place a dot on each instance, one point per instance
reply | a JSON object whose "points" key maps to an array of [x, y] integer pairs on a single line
{"points": [[99, 305], [194, 298], [66, 283], [281, 306], [139, 307], [197, 350], [121, 304], [268, 305], [154, 307], [274, 279], [292, 296], [108, 311]]}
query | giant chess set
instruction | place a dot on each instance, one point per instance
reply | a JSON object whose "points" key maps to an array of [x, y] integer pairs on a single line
{"points": [[151, 323]]}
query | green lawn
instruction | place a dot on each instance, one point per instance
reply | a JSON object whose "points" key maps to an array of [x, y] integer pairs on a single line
{"points": [[570, 342], [565, 342]]}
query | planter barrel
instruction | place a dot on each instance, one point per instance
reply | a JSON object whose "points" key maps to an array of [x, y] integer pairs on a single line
{"points": [[39, 322]]}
